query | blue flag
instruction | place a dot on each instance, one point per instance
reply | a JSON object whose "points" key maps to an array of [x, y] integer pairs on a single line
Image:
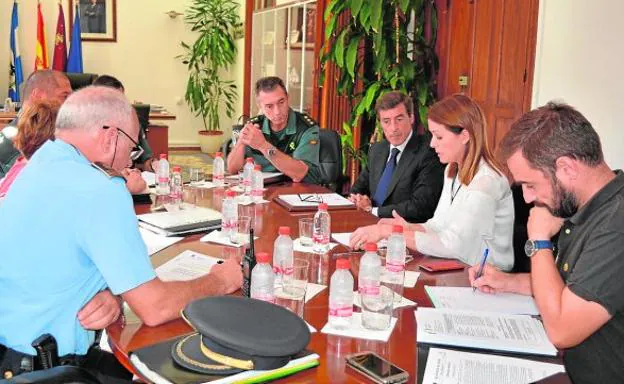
{"points": [[74, 60], [16, 75]]}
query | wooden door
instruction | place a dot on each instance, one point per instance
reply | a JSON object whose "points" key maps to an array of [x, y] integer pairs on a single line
{"points": [[491, 43]]}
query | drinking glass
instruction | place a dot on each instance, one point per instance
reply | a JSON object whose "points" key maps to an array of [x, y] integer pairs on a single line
{"points": [[290, 294], [377, 309], [196, 175], [241, 235], [305, 231]]}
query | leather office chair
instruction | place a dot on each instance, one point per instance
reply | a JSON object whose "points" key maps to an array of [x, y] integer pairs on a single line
{"points": [[330, 159], [57, 375], [80, 80], [520, 235]]}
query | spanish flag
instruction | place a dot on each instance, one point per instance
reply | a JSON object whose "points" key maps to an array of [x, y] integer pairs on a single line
{"points": [[41, 52]]}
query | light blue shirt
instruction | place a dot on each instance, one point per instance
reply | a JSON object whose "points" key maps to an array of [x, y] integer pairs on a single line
{"points": [[67, 231]]}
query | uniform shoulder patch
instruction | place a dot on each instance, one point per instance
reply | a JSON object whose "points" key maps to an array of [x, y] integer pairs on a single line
{"points": [[313, 142], [308, 120], [106, 170]]}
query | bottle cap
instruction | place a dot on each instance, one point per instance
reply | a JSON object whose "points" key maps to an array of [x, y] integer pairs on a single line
{"points": [[343, 264], [250, 160], [284, 231], [262, 257], [258, 167], [370, 247], [397, 229], [163, 155], [177, 168], [323, 207], [230, 193], [219, 154]]}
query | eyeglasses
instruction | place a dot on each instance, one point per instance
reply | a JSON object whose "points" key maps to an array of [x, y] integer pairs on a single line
{"points": [[136, 151], [311, 198]]}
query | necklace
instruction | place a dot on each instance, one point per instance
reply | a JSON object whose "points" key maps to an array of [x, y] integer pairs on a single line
{"points": [[453, 191]]}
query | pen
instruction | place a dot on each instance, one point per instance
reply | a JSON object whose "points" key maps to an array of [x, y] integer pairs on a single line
{"points": [[480, 271]]}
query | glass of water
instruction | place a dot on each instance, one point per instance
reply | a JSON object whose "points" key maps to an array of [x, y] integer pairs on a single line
{"points": [[377, 309], [305, 231], [291, 293], [241, 235]]}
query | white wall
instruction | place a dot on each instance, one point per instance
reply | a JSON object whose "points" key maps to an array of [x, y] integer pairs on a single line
{"points": [[143, 57], [580, 59]]}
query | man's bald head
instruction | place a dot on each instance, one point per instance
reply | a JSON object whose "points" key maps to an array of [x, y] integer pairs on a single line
{"points": [[95, 119], [48, 85]]}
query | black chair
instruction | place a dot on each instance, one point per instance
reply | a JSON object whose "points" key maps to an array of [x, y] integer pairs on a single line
{"points": [[330, 159], [80, 80], [520, 236], [56, 375]]}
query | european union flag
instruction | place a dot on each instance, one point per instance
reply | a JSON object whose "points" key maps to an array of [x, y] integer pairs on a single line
{"points": [[74, 61], [16, 75]]}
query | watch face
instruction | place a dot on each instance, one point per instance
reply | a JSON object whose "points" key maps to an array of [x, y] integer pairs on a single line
{"points": [[529, 248]]}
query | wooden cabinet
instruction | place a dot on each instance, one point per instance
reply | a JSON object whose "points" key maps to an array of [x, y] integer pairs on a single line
{"points": [[158, 139]]}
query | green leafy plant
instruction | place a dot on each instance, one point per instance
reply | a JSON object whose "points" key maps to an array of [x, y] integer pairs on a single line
{"points": [[217, 25], [386, 45]]}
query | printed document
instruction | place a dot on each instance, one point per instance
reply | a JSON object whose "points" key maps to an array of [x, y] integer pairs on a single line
{"points": [[454, 367], [483, 330], [155, 242], [188, 265], [313, 200], [466, 298]]}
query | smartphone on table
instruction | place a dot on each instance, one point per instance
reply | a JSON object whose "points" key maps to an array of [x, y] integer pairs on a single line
{"points": [[376, 368]]}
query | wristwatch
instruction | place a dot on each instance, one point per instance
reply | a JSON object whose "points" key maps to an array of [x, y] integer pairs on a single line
{"points": [[271, 152], [532, 246]]}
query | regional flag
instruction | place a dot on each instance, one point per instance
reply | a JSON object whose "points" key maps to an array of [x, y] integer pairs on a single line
{"points": [[41, 52], [59, 63], [16, 75]]}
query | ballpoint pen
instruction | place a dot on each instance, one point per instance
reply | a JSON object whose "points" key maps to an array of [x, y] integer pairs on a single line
{"points": [[480, 271]]}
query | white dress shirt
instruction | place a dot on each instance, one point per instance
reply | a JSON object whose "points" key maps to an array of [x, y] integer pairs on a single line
{"points": [[481, 215]]}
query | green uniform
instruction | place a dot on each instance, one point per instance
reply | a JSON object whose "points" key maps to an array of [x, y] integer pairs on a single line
{"points": [[299, 140]]}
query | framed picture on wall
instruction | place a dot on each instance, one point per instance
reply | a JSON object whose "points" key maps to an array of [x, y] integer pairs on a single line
{"points": [[295, 33], [98, 19]]}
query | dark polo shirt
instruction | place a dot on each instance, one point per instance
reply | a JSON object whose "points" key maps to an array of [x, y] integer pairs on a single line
{"points": [[591, 262]]}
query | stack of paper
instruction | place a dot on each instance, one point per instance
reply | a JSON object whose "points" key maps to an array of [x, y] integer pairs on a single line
{"points": [[196, 219], [188, 265], [454, 367], [483, 330], [466, 298], [314, 199], [155, 243]]}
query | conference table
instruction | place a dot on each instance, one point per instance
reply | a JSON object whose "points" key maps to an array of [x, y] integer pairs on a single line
{"points": [[401, 348]]}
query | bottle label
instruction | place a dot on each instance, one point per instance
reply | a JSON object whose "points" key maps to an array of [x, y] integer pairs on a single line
{"points": [[229, 224], [264, 297], [369, 287], [394, 267], [218, 177], [256, 192], [163, 179], [346, 311], [319, 238], [283, 271]]}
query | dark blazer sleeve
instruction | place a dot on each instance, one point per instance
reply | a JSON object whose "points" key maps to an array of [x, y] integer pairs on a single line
{"points": [[362, 184], [427, 182]]}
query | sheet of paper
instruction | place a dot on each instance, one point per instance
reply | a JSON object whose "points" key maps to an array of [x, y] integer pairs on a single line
{"points": [[245, 200], [218, 238], [202, 184], [297, 246], [313, 290], [313, 199], [483, 330], [155, 242], [343, 238], [454, 367], [358, 331], [104, 342], [411, 278], [149, 178], [188, 265], [405, 302], [465, 298]]}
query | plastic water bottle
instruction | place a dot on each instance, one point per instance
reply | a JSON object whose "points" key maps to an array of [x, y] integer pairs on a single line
{"points": [[394, 273], [341, 296], [176, 186], [162, 188], [218, 170], [229, 212], [247, 171], [257, 184], [369, 276], [263, 279], [283, 255], [321, 229]]}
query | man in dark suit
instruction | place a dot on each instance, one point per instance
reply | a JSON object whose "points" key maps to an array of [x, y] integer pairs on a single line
{"points": [[403, 173]]}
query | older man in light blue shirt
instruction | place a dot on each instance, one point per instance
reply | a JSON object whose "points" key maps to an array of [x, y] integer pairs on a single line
{"points": [[69, 231]]}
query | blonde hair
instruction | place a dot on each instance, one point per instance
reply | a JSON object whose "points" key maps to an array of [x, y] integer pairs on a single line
{"points": [[35, 126], [457, 113]]}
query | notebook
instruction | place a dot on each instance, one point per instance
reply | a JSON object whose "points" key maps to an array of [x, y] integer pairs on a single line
{"points": [[184, 221]]}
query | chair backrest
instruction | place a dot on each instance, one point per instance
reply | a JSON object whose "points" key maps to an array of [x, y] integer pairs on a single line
{"points": [[57, 375], [80, 80], [521, 261], [330, 158]]}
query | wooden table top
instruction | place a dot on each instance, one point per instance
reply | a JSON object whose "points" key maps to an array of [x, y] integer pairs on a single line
{"points": [[401, 348]]}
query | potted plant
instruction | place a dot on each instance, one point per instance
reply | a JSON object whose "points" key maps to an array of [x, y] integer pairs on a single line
{"points": [[217, 25]]}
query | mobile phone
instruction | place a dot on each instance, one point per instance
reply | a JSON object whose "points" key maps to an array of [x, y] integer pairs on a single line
{"points": [[376, 368]]}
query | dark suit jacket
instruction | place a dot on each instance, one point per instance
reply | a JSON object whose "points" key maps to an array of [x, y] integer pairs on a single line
{"points": [[416, 184]]}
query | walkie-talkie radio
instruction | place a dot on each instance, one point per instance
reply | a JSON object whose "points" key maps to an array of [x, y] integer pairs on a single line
{"points": [[249, 262]]}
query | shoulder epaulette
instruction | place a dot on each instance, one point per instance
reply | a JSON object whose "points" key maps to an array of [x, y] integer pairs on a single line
{"points": [[308, 120], [106, 170]]}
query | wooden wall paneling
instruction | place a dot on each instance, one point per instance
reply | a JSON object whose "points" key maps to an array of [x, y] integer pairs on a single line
{"points": [[249, 7]]}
